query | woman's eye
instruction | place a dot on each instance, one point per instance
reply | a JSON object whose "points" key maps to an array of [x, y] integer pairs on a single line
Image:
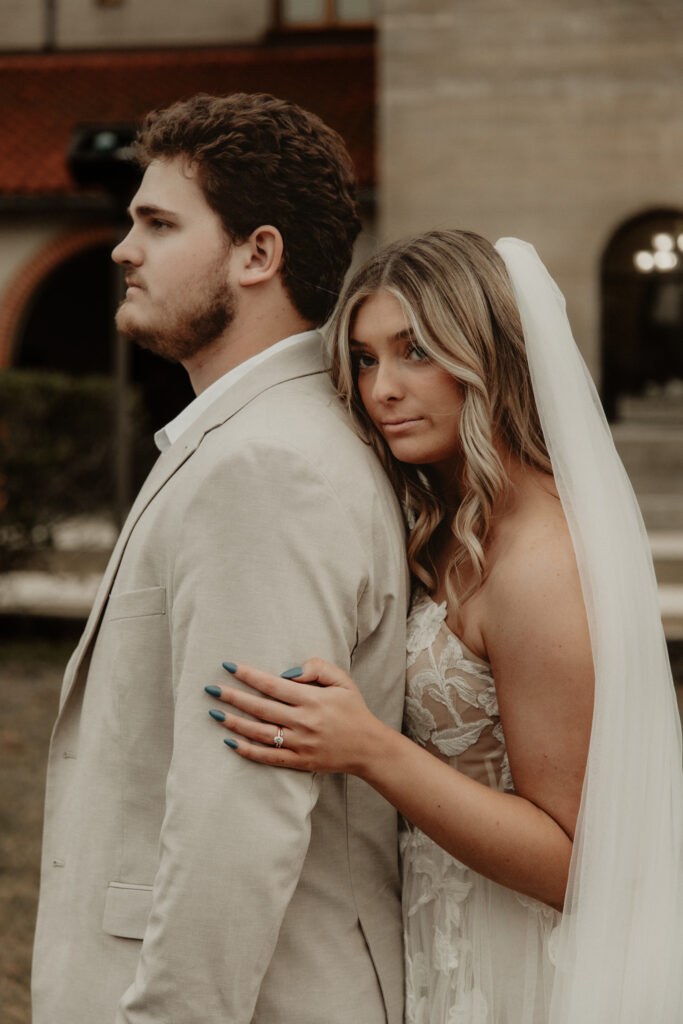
{"points": [[417, 353], [364, 361], [158, 225]]}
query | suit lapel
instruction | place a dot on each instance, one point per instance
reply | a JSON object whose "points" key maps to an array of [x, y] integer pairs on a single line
{"points": [[300, 360]]}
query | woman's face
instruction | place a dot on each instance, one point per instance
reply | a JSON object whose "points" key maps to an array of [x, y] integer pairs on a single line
{"points": [[414, 403]]}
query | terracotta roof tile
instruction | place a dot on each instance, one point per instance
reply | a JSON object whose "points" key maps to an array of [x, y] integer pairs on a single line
{"points": [[45, 96]]}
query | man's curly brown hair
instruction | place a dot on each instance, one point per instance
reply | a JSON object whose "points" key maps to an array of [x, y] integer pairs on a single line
{"points": [[262, 160]]}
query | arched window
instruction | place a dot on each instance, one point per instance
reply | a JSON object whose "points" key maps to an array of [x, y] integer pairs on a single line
{"points": [[642, 316]]}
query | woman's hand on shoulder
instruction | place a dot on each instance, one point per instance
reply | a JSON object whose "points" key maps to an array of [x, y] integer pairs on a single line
{"points": [[316, 710]]}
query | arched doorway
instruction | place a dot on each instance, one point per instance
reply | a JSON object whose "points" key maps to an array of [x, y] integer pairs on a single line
{"points": [[642, 315], [67, 327], [71, 446]]}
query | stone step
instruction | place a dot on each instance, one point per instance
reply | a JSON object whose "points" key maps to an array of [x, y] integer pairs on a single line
{"points": [[671, 607], [664, 405], [667, 555], [652, 453], [661, 512]]}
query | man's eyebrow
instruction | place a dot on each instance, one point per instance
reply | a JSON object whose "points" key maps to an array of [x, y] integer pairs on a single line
{"points": [[149, 210]]}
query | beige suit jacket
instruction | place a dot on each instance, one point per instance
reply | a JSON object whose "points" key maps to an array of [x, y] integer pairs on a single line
{"points": [[181, 883]]}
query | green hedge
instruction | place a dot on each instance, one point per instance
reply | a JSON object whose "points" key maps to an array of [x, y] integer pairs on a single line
{"points": [[56, 454]]}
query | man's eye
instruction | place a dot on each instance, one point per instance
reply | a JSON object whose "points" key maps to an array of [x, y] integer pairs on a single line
{"points": [[157, 225]]}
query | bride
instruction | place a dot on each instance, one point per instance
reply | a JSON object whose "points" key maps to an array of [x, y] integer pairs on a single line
{"points": [[539, 776]]}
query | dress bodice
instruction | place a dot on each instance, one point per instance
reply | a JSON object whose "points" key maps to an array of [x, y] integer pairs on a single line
{"points": [[475, 952], [451, 705]]}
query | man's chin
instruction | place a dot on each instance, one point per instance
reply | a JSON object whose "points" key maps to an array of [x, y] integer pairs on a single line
{"points": [[125, 325], [175, 338], [142, 337]]}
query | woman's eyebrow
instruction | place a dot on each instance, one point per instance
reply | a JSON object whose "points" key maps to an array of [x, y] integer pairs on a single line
{"points": [[406, 334]]}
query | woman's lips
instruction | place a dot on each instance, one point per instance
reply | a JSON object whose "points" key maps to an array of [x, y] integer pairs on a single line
{"points": [[396, 426]]}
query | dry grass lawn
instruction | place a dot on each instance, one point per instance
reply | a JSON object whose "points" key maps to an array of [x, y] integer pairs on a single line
{"points": [[30, 677]]}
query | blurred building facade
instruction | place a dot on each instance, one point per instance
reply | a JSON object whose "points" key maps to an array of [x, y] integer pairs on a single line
{"points": [[558, 121], [121, 24], [101, 64], [555, 120]]}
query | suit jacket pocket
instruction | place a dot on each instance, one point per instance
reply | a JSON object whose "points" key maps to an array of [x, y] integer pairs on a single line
{"points": [[126, 909], [133, 603]]}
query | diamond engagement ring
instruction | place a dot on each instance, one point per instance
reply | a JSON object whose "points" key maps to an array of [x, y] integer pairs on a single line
{"points": [[279, 738]]}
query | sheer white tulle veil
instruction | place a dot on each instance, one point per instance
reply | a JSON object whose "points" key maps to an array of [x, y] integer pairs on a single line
{"points": [[619, 955]]}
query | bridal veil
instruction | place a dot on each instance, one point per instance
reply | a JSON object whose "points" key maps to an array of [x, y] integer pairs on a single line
{"points": [[619, 948]]}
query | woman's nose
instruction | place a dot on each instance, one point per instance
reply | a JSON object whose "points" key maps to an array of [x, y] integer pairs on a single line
{"points": [[387, 383]]}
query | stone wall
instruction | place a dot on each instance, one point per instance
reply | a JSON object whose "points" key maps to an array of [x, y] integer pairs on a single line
{"points": [[553, 120], [85, 23], [22, 24], [93, 24]]}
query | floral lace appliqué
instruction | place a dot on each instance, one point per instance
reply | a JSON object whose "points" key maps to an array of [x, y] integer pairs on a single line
{"points": [[451, 703], [424, 623], [452, 710]]}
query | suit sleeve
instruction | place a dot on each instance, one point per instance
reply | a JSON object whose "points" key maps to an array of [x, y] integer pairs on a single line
{"points": [[267, 571]]}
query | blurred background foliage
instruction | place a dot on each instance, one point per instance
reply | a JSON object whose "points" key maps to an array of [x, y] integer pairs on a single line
{"points": [[57, 452]]}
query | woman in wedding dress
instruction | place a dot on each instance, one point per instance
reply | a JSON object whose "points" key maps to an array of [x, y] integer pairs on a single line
{"points": [[539, 776]]}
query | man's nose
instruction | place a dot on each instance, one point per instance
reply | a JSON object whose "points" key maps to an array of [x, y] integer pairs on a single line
{"points": [[127, 252]]}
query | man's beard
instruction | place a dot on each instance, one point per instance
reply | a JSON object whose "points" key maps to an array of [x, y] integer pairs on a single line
{"points": [[181, 334]]}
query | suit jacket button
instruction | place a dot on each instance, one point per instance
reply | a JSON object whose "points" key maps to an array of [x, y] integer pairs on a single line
{"points": [[57, 863]]}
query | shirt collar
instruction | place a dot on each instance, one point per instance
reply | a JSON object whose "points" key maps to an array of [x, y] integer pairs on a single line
{"points": [[169, 434]]}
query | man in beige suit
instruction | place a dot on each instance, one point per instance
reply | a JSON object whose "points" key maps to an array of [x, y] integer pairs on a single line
{"points": [[181, 884]]}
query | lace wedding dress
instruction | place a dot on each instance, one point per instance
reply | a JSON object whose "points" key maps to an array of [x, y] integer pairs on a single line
{"points": [[476, 952]]}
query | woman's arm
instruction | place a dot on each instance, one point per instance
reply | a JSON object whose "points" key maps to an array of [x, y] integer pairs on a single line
{"points": [[538, 644]]}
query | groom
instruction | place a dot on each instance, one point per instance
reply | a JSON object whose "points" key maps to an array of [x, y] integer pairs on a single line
{"points": [[181, 884]]}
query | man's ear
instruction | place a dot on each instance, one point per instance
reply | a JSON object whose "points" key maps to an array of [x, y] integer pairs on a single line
{"points": [[263, 252]]}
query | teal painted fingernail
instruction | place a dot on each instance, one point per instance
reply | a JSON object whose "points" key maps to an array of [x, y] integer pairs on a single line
{"points": [[218, 715], [215, 691], [230, 666], [231, 743], [291, 673]]}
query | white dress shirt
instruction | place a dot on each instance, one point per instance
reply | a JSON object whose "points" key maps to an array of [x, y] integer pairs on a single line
{"points": [[169, 434]]}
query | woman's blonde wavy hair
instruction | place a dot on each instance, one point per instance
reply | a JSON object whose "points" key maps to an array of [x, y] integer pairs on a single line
{"points": [[454, 290]]}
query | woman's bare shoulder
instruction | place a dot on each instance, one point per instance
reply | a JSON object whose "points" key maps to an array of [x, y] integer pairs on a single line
{"points": [[533, 588]]}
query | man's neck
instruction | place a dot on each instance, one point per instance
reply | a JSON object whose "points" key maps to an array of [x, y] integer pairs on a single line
{"points": [[239, 343]]}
